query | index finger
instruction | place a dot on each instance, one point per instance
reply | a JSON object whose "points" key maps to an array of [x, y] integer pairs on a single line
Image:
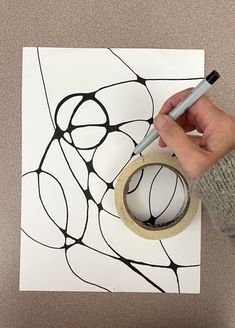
{"points": [[171, 102]]}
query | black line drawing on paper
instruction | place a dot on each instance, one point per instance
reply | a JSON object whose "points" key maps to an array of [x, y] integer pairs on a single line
{"points": [[67, 135]]}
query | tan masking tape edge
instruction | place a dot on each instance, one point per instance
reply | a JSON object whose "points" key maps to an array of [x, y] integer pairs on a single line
{"points": [[124, 213]]}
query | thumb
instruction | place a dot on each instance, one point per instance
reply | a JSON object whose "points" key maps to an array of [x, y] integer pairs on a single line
{"points": [[174, 136]]}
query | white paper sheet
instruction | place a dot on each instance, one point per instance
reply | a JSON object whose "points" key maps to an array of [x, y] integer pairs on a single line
{"points": [[83, 111]]}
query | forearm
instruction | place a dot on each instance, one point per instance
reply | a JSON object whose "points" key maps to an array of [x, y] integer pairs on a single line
{"points": [[216, 189]]}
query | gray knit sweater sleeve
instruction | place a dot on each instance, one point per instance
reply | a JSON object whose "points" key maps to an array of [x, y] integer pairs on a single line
{"points": [[216, 189]]}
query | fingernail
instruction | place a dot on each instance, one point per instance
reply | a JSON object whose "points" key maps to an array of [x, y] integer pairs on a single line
{"points": [[160, 121]]}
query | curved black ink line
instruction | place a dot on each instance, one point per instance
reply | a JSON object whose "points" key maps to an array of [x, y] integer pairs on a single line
{"points": [[110, 213], [62, 101], [122, 61], [45, 153], [132, 139], [172, 196], [65, 198], [153, 219], [69, 166], [153, 107], [114, 85], [74, 127], [44, 87], [86, 222], [43, 205], [100, 252], [87, 182], [53, 247], [99, 103], [138, 183], [86, 281], [178, 178], [87, 192], [91, 147], [145, 277], [70, 169], [27, 173], [148, 121], [150, 191], [189, 266], [176, 79]]}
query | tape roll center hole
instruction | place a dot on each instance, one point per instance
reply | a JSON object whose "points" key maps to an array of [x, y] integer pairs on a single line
{"points": [[156, 196]]}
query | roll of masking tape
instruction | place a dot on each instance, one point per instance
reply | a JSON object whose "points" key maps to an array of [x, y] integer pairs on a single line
{"points": [[181, 220]]}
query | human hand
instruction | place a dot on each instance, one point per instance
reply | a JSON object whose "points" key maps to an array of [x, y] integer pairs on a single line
{"points": [[196, 153]]}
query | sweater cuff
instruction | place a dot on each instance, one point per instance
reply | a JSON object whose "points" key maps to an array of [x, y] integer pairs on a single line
{"points": [[216, 189]]}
